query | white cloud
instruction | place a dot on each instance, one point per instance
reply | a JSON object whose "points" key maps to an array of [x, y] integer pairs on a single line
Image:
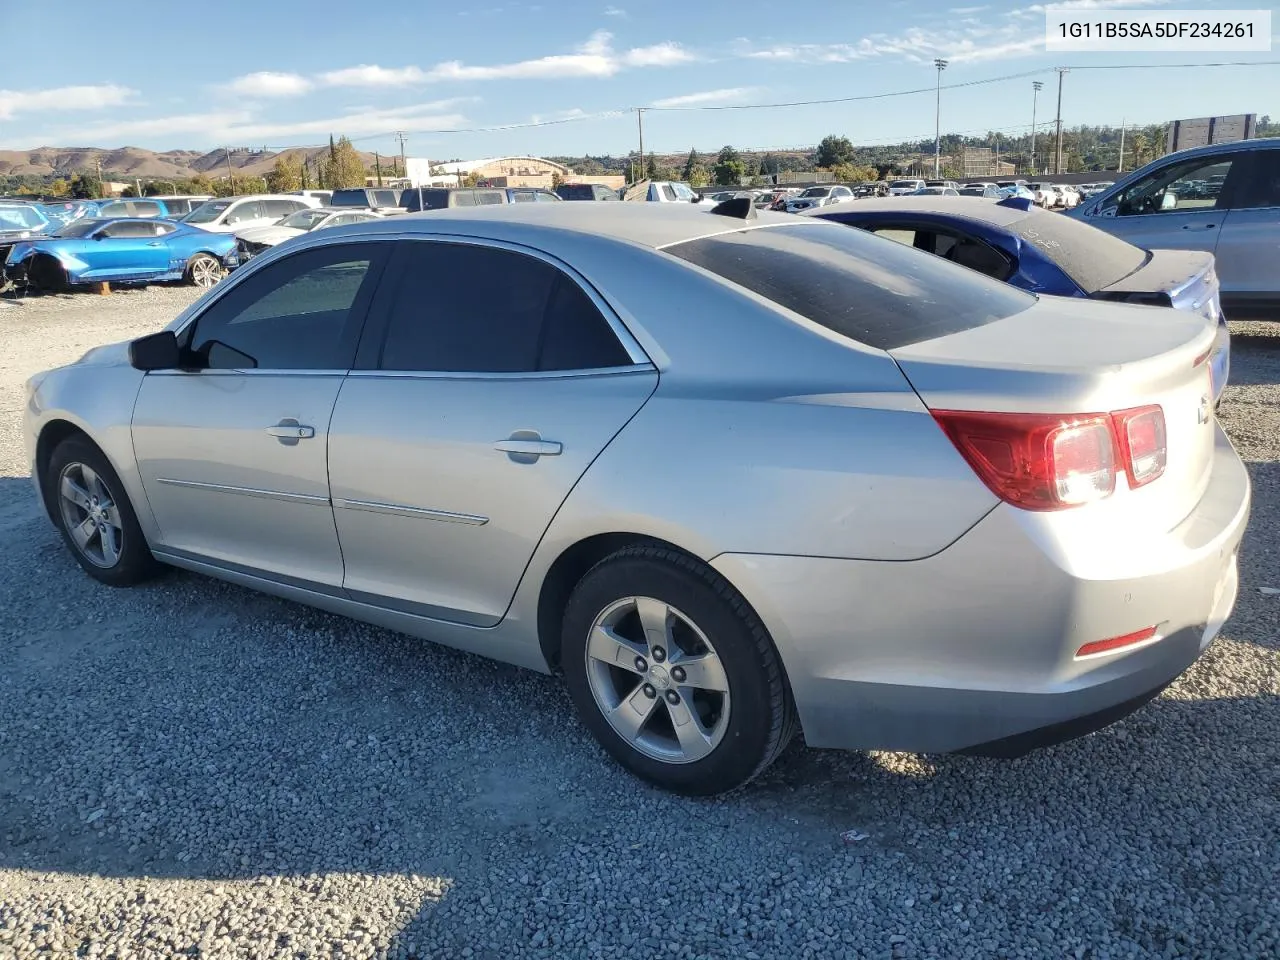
{"points": [[266, 83], [97, 97], [707, 97], [615, 12], [1038, 9], [667, 54], [371, 75], [962, 11], [594, 58]]}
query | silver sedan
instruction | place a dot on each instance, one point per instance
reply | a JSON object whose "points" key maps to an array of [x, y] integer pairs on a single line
{"points": [[734, 478]]}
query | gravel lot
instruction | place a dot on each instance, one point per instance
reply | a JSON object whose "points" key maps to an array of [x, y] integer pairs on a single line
{"points": [[193, 769]]}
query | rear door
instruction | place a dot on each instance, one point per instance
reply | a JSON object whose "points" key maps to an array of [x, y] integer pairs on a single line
{"points": [[495, 380], [1249, 248]]}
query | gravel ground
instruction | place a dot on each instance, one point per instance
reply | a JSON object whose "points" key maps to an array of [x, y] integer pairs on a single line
{"points": [[193, 769]]}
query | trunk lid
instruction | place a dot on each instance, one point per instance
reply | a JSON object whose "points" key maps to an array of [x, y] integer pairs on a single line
{"points": [[1065, 356]]}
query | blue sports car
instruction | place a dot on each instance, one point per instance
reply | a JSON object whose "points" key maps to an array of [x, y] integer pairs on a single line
{"points": [[121, 251], [1044, 252]]}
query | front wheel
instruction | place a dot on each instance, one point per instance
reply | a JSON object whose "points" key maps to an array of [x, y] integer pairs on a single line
{"points": [[673, 673], [204, 270]]}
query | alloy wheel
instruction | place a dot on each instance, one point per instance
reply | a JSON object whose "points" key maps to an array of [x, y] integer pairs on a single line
{"points": [[90, 515], [205, 271], [657, 679]]}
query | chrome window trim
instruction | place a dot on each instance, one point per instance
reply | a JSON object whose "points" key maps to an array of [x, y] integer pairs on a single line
{"points": [[247, 372], [501, 375]]}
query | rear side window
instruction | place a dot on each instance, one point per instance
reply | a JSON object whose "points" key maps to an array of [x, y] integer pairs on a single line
{"points": [[461, 308], [485, 197], [1093, 258], [349, 198], [863, 287]]}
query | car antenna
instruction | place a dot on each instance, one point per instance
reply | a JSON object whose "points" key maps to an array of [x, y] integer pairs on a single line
{"points": [[740, 207]]}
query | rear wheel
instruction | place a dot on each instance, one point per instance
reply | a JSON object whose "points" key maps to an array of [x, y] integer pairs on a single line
{"points": [[673, 673], [46, 274], [94, 515], [204, 270]]}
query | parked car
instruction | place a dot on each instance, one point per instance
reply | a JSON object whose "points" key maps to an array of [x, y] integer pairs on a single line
{"points": [[585, 191], [121, 250], [229, 214], [935, 192], [817, 197], [900, 188], [383, 199], [179, 206], [18, 222], [131, 207], [321, 197], [877, 189], [59, 212], [988, 190], [947, 184], [957, 517], [530, 195], [782, 195], [1044, 253], [661, 191], [416, 199], [1088, 190], [1008, 184], [1016, 191], [1046, 194], [254, 240], [1070, 197], [1232, 214]]}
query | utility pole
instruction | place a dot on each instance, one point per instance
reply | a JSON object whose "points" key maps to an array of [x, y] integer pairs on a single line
{"points": [[997, 153], [231, 177], [102, 190], [404, 170], [1036, 87], [1057, 163], [377, 166], [937, 119], [640, 170], [1120, 165]]}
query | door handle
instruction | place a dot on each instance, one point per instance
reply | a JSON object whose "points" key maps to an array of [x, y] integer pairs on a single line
{"points": [[290, 430], [1207, 226], [155, 243], [526, 446]]}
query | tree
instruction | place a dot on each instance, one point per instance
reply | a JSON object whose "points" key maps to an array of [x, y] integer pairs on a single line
{"points": [[690, 166], [651, 168], [59, 187], [697, 177], [730, 170], [344, 168], [86, 187], [557, 180], [285, 176], [129, 192], [833, 151], [853, 173]]}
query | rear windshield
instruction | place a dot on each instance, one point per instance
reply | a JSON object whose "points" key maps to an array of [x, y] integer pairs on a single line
{"points": [[349, 198], [867, 288], [1093, 258]]}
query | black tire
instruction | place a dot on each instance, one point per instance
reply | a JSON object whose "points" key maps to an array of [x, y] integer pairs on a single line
{"points": [[761, 719], [135, 562], [46, 275]]}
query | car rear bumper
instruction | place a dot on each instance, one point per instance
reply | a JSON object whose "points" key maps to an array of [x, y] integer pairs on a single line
{"points": [[975, 647]]}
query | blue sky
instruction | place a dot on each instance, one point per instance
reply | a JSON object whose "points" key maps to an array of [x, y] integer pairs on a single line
{"points": [[282, 73]]}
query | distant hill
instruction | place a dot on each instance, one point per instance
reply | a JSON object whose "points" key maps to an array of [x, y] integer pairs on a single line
{"points": [[136, 162]]}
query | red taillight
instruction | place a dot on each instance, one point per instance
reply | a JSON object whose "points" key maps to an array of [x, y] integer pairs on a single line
{"points": [[1143, 445], [1042, 461], [1112, 644]]}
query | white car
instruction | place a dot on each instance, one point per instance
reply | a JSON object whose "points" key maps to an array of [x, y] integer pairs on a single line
{"points": [[900, 188], [818, 197], [254, 240], [229, 214], [661, 191], [1047, 194], [1069, 194]]}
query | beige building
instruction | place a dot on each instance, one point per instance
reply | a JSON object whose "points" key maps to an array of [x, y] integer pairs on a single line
{"points": [[499, 172]]}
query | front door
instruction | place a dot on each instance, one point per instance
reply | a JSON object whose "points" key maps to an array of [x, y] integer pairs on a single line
{"points": [[496, 384], [232, 453], [1180, 205], [125, 249]]}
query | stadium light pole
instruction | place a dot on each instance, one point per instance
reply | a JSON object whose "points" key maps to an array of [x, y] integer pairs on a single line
{"points": [[1036, 87], [937, 121]]}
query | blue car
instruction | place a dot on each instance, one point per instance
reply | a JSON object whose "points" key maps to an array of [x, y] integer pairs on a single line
{"points": [[1046, 253], [62, 212], [121, 251]]}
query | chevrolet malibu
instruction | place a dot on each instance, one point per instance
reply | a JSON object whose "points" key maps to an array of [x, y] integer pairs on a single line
{"points": [[734, 477]]}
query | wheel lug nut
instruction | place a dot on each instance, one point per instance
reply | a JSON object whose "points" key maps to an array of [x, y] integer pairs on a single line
{"points": [[641, 665], [649, 691], [677, 674], [672, 697], [659, 654]]}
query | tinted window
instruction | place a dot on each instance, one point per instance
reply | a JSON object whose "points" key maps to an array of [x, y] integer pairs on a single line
{"points": [[300, 313], [544, 196], [1092, 258], [450, 315], [522, 196], [668, 192], [576, 191], [1175, 188], [1263, 188], [129, 228], [460, 198], [281, 208], [385, 198], [486, 197], [880, 293], [349, 198]]}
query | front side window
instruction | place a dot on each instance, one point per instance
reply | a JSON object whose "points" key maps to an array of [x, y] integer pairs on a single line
{"points": [[463, 308], [1174, 188], [299, 313], [244, 211], [128, 229], [1263, 186], [207, 212]]}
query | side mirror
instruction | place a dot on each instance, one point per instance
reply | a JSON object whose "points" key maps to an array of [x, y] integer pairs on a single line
{"points": [[157, 351], [100, 235]]}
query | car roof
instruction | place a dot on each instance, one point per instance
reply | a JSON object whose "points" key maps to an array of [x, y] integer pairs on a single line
{"points": [[646, 224], [982, 209]]}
